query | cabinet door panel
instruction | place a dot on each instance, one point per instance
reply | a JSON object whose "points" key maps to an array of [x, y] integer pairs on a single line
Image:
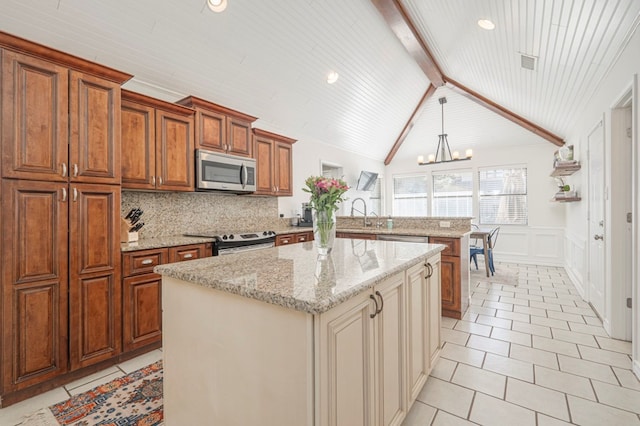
{"points": [[95, 288], [450, 279], [34, 120], [94, 319], [174, 151], [141, 307], [346, 364], [34, 282], [94, 146], [283, 176], [264, 165], [138, 146], [435, 313], [239, 141], [417, 330], [211, 131], [390, 340]]}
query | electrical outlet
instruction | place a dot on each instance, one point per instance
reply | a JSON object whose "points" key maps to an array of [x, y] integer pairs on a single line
{"points": [[445, 224]]}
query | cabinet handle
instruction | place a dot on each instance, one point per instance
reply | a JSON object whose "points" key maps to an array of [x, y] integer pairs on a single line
{"points": [[285, 241], [75, 170], [147, 262], [381, 302], [429, 270], [75, 195], [64, 195], [64, 169], [371, 296], [153, 180], [160, 179], [188, 256]]}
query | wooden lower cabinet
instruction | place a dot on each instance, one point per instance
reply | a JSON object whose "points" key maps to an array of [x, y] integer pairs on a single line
{"points": [[454, 275], [34, 283], [142, 291], [94, 269], [293, 238], [60, 280]]}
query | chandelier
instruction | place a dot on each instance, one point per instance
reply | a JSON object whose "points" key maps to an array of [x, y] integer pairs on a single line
{"points": [[443, 152]]}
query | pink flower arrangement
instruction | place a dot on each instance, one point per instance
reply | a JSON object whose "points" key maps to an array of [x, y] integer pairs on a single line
{"points": [[326, 193]]}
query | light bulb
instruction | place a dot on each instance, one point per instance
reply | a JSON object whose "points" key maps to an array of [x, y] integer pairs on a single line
{"points": [[420, 159], [217, 5], [455, 155], [432, 158], [332, 77], [469, 153]]}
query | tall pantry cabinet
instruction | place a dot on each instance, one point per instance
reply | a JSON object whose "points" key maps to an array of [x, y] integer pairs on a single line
{"points": [[60, 196]]}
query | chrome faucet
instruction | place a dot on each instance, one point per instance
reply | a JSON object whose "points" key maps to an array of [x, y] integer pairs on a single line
{"points": [[364, 203]]}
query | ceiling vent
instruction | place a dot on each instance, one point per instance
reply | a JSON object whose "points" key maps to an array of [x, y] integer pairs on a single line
{"points": [[528, 62]]}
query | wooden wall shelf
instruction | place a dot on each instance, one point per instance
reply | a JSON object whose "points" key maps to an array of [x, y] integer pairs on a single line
{"points": [[565, 169]]}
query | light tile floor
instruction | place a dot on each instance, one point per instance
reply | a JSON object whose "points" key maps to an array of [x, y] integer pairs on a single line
{"points": [[530, 352], [525, 353], [13, 414]]}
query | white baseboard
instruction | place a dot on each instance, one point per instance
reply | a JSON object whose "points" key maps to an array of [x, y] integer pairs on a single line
{"points": [[577, 282]]}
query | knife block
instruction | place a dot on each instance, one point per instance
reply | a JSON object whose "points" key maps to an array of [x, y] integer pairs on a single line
{"points": [[125, 235]]}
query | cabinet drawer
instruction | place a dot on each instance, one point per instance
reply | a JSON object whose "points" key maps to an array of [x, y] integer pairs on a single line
{"points": [[453, 245], [356, 236], [284, 239], [304, 236], [190, 252], [143, 261]]}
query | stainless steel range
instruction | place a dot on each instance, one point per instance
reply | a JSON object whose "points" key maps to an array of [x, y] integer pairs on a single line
{"points": [[228, 243]]}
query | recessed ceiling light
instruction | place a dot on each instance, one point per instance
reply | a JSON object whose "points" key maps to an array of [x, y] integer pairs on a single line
{"points": [[486, 24], [217, 5], [332, 77]]}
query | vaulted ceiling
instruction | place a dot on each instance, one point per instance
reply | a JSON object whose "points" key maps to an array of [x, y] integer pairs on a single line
{"points": [[270, 59]]}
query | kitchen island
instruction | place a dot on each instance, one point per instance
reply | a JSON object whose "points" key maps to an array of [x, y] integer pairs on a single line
{"points": [[283, 336]]}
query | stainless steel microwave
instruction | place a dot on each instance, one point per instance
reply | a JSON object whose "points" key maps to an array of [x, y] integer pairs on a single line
{"points": [[223, 172]]}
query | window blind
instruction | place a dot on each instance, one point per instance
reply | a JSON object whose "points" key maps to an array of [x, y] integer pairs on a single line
{"points": [[410, 195], [503, 196], [452, 194]]}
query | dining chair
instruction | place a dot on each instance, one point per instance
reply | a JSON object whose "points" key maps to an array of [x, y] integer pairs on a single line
{"points": [[474, 251]]}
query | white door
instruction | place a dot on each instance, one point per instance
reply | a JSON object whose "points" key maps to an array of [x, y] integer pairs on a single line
{"points": [[596, 220]]}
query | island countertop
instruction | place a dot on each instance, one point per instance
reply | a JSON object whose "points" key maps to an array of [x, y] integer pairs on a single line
{"points": [[296, 277]]}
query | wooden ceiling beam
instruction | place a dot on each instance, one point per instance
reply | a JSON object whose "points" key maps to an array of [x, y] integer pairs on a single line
{"points": [[397, 18], [412, 121], [403, 27], [503, 112]]}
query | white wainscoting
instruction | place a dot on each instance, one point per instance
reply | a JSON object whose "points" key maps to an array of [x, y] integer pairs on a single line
{"points": [[534, 245], [575, 262]]}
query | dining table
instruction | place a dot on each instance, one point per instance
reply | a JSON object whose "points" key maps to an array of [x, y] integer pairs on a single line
{"points": [[482, 233]]}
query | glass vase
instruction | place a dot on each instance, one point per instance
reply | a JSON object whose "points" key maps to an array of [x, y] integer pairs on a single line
{"points": [[324, 230]]}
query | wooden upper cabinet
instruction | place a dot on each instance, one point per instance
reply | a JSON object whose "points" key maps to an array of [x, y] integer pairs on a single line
{"points": [[138, 157], [94, 268], [157, 144], [274, 163], [35, 278], [174, 151], [94, 146], [34, 120], [219, 128]]}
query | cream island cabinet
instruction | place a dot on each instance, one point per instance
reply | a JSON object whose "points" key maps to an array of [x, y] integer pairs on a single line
{"points": [[283, 337]]}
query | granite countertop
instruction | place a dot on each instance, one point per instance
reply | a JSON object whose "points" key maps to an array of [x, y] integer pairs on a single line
{"points": [[160, 242], [295, 277], [417, 232]]}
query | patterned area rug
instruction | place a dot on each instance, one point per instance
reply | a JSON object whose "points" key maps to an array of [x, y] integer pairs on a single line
{"points": [[132, 400]]}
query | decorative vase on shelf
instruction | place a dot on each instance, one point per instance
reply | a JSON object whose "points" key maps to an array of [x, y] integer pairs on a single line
{"points": [[324, 230]]}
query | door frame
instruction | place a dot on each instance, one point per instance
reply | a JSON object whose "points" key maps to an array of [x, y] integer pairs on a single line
{"points": [[635, 238], [604, 315], [619, 263]]}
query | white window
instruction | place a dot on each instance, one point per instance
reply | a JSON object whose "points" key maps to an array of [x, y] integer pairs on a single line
{"points": [[503, 196], [410, 195], [452, 194]]}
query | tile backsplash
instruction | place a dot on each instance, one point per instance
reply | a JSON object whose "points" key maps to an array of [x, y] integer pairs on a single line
{"points": [[174, 213]]}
